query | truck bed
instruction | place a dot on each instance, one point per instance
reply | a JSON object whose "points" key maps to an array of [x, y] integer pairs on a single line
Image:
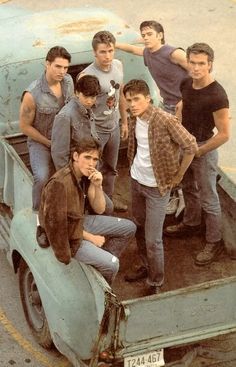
{"points": [[180, 270]]}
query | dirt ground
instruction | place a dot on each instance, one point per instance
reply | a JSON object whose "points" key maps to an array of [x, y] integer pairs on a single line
{"points": [[180, 270]]}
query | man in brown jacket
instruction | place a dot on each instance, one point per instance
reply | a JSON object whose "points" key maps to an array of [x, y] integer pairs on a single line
{"points": [[96, 240]]}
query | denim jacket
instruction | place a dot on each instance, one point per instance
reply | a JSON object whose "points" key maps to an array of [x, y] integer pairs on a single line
{"points": [[71, 124], [47, 104]]}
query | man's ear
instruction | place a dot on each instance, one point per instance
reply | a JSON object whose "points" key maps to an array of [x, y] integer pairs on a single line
{"points": [[148, 98], [75, 156]]}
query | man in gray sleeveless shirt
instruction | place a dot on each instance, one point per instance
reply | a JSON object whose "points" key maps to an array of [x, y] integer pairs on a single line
{"points": [[109, 107], [41, 101], [167, 64], [168, 67]]}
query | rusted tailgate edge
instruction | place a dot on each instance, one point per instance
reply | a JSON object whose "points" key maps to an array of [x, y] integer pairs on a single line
{"points": [[178, 317]]}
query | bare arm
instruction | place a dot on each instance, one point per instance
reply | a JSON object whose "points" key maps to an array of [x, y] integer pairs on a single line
{"points": [[123, 115], [136, 50], [178, 110], [222, 124], [95, 192], [27, 114], [179, 57]]}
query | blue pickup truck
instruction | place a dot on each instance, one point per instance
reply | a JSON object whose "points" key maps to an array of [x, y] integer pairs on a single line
{"points": [[72, 306]]}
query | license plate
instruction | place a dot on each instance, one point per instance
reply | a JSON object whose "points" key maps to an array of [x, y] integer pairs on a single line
{"points": [[151, 359]]}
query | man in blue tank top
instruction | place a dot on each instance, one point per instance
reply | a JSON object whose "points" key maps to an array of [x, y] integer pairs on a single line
{"points": [[204, 107], [168, 67], [167, 64]]}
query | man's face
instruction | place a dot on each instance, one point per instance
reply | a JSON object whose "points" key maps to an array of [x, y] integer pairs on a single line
{"points": [[151, 38], [86, 101], [85, 162], [137, 103], [104, 55], [57, 69], [199, 66]]}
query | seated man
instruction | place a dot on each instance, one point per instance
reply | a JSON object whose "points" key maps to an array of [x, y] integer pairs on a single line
{"points": [[96, 240]]}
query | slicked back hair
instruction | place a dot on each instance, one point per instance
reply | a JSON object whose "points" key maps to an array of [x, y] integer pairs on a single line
{"points": [[86, 145], [201, 48], [154, 25], [136, 86], [105, 37], [58, 51]]}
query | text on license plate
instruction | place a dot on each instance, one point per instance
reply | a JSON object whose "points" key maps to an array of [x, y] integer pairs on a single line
{"points": [[151, 359]]}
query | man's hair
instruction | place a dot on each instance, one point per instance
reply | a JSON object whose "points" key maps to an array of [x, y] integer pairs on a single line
{"points": [[88, 85], [136, 86], [201, 48], [154, 25], [58, 51], [86, 145], [103, 37]]}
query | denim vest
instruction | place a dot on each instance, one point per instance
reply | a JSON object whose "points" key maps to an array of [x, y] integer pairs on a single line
{"points": [[47, 104]]}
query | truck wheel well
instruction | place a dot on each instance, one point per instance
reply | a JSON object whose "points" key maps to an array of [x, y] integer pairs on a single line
{"points": [[16, 257]]}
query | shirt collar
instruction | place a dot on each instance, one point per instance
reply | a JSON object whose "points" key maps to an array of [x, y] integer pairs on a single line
{"points": [[147, 113]]}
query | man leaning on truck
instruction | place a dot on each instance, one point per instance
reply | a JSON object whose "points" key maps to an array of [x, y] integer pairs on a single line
{"points": [[41, 101]]}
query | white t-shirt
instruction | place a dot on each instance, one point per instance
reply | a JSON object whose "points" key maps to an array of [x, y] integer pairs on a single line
{"points": [[141, 169]]}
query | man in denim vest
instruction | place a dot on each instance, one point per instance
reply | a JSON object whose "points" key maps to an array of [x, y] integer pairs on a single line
{"points": [[41, 101]]}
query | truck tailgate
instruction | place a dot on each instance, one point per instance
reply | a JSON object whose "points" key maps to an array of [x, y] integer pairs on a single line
{"points": [[177, 317]]}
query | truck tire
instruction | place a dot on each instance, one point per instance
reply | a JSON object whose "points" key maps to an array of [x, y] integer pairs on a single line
{"points": [[32, 306]]}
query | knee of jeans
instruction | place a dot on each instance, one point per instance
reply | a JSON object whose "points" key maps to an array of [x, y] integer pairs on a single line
{"points": [[113, 269], [115, 264], [132, 228]]}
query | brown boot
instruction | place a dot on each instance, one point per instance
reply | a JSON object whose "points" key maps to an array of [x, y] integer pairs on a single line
{"points": [[140, 273], [210, 252]]}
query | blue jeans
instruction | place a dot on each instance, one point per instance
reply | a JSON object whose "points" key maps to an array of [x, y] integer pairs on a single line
{"points": [[167, 108], [117, 231], [110, 143], [199, 189], [149, 210], [42, 168]]}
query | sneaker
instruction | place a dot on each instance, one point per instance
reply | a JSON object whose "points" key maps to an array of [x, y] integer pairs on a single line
{"points": [[209, 253], [172, 205], [139, 274], [181, 230], [181, 203], [119, 207]]}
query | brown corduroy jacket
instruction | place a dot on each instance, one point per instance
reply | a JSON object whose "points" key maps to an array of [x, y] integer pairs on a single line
{"points": [[61, 213]]}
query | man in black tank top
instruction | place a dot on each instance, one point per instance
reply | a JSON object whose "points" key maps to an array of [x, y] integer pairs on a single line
{"points": [[204, 106]]}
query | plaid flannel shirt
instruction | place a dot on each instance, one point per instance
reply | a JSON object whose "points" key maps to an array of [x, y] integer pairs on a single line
{"points": [[167, 138]]}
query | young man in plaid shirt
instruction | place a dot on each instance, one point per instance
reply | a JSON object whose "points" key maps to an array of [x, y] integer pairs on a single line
{"points": [[156, 140]]}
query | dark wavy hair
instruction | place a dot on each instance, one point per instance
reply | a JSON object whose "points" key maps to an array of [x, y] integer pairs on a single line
{"points": [[154, 25], [58, 51]]}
